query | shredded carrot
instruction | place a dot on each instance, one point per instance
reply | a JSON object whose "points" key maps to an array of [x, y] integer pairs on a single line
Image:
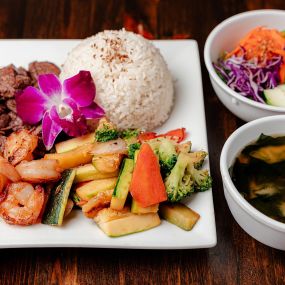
{"points": [[263, 44], [282, 73], [260, 43]]}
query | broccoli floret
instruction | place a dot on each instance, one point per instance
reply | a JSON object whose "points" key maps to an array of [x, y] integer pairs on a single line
{"points": [[166, 153], [132, 149], [105, 135], [179, 184], [106, 131], [129, 133], [167, 156], [184, 179], [130, 136], [202, 180], [167, 165], [197, 158]]}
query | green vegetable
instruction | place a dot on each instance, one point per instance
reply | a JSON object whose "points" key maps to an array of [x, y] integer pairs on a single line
{"points": [[129, 133], [121, 190], [132, 148], [202, 179], [166, 152], [106, 134], [179, 184], [197, 158], [56, 205], [167, 156], [275, 96], [106, 131], [184, 178]]}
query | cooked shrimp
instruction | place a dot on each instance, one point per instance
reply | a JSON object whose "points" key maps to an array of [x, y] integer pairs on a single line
{"points": [[23, 204], [39, 171], [20, 146], [8, 170], [97, 203], [3, 183]]}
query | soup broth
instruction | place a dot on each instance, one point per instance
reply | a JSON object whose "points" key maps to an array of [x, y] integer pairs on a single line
{"points": [[259, 175]]}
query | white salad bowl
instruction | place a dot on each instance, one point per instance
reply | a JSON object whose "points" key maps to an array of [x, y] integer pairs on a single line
{"points": [[255, 223], [225, 37]]}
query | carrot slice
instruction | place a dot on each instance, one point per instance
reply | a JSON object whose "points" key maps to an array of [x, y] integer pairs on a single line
{"points": [[147, 186]]}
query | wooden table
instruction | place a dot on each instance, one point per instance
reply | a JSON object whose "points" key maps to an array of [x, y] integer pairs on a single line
{"points": [[237, 258]]}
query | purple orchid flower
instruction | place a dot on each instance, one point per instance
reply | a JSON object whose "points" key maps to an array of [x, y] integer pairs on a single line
{"points": [[61, 107]]}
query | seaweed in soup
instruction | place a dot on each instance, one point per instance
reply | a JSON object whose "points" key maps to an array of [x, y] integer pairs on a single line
{"points": [[258, 174]]}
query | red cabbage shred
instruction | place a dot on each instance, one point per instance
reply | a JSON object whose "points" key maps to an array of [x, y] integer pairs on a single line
{"points": [[248, 77]]}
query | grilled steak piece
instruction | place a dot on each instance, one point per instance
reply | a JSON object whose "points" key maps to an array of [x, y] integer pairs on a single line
{"points": [[37, 68], [13, 79], [11, 105], [4, 120]]}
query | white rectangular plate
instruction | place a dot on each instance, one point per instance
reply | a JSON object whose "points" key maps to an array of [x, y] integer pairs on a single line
{"points": [[183, 60]]}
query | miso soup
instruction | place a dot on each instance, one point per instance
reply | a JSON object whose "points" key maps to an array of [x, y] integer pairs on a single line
{"points": [[259, 175]]}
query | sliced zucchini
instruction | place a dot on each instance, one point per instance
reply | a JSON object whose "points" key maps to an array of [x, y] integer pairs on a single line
{"points": [[138, 209], [121, 190], [92, 188], [57, 202], [74, 143], [118, 223], [179, 215], [88, 172]]}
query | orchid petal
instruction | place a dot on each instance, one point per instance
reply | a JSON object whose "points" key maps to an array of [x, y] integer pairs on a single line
{"points": [[30, 105], [50, 130], [73, 124], [80, 88], [49, 84], [93, 111]]}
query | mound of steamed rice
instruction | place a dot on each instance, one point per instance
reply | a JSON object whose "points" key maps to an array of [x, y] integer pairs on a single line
{"points": [[133, 83]]}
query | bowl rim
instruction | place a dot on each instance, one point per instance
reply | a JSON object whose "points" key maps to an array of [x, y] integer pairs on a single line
{"points": [[209, 65], [229, 185]]}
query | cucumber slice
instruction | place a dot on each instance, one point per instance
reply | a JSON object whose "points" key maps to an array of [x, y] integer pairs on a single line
{"points": [[275, 96], [121, 190]]}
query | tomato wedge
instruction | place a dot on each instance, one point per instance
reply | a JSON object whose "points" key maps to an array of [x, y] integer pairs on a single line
{"points": [[177, 135], [147, 186]]}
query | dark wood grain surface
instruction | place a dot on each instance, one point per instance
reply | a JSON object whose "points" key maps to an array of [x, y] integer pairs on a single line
{"points": [[237, 258]]}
